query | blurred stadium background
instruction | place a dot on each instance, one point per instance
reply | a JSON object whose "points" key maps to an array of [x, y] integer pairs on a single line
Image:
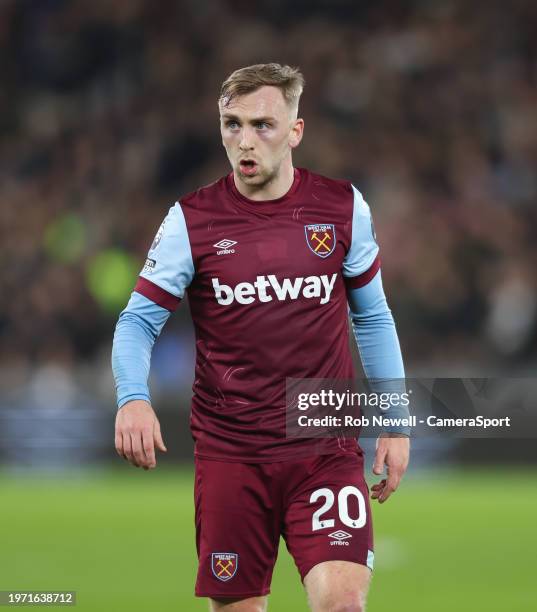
{"points": [[107, 115]]}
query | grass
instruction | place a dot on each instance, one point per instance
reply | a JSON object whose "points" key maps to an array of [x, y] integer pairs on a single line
{"points": [[124, 540]]}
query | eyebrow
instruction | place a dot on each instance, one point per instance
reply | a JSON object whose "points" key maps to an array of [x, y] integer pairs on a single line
{"points": [[228, 116]]}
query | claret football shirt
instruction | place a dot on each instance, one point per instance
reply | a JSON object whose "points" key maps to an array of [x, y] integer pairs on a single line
{"points": [[266, 282]]}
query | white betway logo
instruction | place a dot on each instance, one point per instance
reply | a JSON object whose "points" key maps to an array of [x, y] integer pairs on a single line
{"points": [[246, 293]]}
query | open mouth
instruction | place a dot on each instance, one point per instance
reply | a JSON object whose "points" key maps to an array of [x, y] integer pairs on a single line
{"points": [[248, 166]]}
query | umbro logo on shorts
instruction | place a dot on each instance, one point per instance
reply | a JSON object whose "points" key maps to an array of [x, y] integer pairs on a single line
{"points": [[263, 288], [339, 538], [340, 535]]}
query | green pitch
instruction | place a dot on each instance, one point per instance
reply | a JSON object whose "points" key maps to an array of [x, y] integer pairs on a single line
{"points": [[124, 540]]}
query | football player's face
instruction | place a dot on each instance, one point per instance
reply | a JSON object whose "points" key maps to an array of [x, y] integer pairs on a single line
{"points": [[259, 131]]}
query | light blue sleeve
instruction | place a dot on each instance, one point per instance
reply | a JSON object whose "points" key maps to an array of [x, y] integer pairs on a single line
{"points": [[138, 327], [169, 263], [378, 344], [364, 248], [168, 271]]}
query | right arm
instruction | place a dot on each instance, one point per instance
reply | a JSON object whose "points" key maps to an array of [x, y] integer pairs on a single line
{"points": [[137, 429], [168, 271]]}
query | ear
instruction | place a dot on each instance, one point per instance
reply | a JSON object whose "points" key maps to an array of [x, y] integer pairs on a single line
{"points": [[220, 122], [297, 131], [221, 129]]}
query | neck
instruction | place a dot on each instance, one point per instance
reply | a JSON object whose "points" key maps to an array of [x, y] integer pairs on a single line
{"points": [[274, 189]]}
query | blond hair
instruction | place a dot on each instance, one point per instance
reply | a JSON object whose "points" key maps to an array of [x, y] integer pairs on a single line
{"points": [[288, 80]]}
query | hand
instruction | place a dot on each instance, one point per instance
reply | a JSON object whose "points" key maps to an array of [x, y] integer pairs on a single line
{"points": [[392, 450], [137, 434]]}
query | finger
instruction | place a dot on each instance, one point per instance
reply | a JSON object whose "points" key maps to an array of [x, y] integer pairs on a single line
{"points": [[127, 448], [394, 478], [148, 447], [157, 435], [137, 450], [379, 485], [378, 488], [119, 444], [386, 492], [380, 455], [384, 496]]}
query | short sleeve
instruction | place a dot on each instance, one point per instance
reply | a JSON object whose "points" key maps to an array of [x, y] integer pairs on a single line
{"points": [[169, 268], [362, 260]]}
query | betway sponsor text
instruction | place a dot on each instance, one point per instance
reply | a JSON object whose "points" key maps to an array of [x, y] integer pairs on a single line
{"points": [[267, 288]]}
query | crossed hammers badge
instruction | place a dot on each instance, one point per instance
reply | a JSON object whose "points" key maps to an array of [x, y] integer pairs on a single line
{"points": [[224, 565], [321, 238]]}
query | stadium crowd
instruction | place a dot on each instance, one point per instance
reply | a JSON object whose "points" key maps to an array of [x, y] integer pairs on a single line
{"points": [[108, 113]]}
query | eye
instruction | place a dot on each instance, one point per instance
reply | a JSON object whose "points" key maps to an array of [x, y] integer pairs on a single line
{"points": [[260, 125], [232, 125]]}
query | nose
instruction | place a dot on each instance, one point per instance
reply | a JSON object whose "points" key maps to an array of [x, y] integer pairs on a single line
{"points": [[246, 142]]}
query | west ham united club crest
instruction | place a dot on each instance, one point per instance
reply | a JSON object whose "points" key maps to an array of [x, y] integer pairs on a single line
{"points": [[224, 565], [321, 238]]}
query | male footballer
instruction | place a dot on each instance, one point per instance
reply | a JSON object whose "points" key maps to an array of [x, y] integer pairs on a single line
{"points": [[272, 258]]}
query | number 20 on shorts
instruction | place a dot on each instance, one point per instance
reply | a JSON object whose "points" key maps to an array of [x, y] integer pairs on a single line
{"points": [[343, 508]]}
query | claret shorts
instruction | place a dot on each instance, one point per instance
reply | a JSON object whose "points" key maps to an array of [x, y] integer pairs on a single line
{"points": [[319, 505]]}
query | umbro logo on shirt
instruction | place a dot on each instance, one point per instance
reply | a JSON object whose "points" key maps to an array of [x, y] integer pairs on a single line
{"points": [[225, 246], [265, 288]]}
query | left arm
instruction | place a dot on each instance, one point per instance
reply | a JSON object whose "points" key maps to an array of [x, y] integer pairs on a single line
{"points": [[378, 345], [377, 341]]}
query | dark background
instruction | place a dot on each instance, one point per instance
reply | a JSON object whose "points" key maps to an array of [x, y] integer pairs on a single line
{"points": [[108, 114]]}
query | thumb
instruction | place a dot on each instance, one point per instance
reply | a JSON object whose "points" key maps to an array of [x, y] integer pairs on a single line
{"points": [[158, 437], [378, 466]]}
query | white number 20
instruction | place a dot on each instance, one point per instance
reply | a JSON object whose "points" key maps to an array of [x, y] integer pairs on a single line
{"points": [[343, 507]]}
